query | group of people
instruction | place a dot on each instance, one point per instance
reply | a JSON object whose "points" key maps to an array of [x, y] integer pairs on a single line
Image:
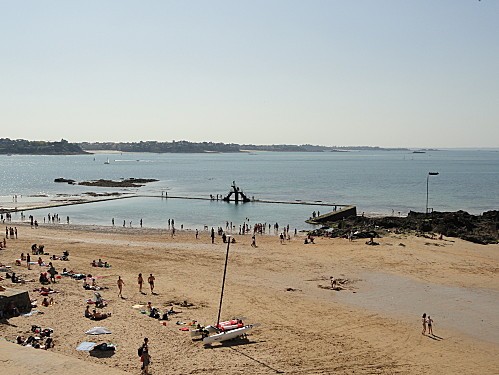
{"points": [[37, 250], [95, 315], [140, 280], [7, 216], [12, 232], [40, 338], [100, 263]]}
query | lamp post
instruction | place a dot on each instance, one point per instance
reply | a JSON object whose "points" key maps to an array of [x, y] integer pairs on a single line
{"points": [[427, 184]]}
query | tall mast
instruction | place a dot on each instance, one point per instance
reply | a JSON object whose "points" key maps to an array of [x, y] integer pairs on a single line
{"points": [[223, 281]]}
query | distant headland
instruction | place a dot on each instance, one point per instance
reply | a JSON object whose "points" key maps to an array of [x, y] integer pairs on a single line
{"points": [[25, 147], [207, 147]]}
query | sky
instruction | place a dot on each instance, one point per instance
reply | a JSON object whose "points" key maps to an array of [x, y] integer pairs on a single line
{"points": [[388, 73]]}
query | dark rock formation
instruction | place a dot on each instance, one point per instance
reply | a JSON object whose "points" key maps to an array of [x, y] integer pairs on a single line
{"points": [[65, 180], [481, 229], [130, 182]]}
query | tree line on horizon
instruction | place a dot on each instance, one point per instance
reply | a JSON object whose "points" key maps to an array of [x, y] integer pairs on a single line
{"points": [[63, 147], [24, 147]]}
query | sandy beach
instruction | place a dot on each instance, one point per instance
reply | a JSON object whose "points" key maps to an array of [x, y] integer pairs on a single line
{"points": [[373, 326]]}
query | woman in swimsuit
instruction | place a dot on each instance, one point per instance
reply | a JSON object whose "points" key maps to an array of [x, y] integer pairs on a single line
{"points": [[423, 319]]}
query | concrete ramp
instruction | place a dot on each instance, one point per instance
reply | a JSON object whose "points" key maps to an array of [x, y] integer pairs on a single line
{"points": [[344, 212]]}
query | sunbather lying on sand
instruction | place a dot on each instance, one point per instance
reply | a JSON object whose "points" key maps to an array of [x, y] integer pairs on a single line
{"points": [[99, 316]]}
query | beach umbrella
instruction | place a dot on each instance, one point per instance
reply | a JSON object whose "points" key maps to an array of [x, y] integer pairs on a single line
{"points": [[98, 331]]}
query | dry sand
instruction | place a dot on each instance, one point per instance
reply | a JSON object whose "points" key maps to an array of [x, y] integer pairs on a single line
{"points": [[371, 327]]}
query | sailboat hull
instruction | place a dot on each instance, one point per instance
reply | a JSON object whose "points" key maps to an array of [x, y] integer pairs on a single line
{"points": [[228, 335]]}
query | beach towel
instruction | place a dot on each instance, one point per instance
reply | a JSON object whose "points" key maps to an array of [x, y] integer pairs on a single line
{"points": [[86, 346], [32, 312], [98, 331]]}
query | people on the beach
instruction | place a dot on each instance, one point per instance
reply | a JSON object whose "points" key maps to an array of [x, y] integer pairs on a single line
{"points": [[145, 358], [429, 321], [150, 280], [52, 272], [99, 316], [47, 302], [253, 241], [423, 320], [87, 312], [140, 281], [333, 282], [120, 283]]}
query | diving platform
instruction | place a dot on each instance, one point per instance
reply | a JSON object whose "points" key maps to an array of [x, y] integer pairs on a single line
{"points": [[238, 194]]}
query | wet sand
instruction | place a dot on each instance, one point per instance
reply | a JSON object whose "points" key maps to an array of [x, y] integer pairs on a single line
{"points": [[371, 327]]}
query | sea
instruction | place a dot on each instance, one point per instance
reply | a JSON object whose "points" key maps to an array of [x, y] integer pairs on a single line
{"points": [[377, 182]]}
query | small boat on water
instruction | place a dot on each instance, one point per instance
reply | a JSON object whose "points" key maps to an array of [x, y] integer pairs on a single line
{"points": [[107, 161]]}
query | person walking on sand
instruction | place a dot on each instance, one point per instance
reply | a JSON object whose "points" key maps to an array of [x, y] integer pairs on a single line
{"points": [[145, 358], [120, 283], [423, 320], [140, 281], [253, 241], [28, 260], [429, 321], [151, 282]]}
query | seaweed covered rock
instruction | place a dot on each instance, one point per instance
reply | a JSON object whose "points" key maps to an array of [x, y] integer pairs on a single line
{"points": [[481, 229]]}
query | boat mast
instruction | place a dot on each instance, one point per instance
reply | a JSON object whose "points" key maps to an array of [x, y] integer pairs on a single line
{"points": [[223, 281]]}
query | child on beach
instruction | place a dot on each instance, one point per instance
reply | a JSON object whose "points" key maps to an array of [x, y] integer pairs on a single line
{"points": [[429, 321]]}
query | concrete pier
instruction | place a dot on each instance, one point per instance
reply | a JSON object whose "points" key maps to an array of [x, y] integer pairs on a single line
{"points": [[332, 216]]}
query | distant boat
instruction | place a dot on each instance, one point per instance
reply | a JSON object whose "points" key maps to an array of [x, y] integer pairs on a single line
{"points": [[107, 161], [419, 152]]}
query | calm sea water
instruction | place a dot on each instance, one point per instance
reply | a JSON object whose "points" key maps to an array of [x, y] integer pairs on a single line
{"points": [[377, 182]]}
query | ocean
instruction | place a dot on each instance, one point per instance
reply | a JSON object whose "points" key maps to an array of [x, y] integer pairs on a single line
{"points": [[377, 182]]}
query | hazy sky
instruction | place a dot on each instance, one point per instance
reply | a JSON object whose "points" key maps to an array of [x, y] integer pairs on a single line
{"points": [[419, 73]]}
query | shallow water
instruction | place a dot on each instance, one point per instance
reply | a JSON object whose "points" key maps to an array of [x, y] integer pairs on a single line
{"points": [[471, 311], [377, 182]]}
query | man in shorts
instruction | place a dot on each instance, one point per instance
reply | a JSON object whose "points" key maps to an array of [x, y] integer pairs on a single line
{"points": [[151, 279]]}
